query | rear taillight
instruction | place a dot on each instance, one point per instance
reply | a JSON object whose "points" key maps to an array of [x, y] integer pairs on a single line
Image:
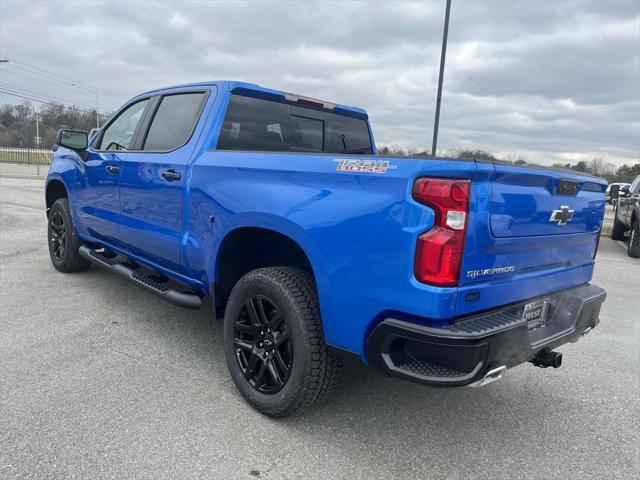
{"points": [[439, 251], [595, 252]]}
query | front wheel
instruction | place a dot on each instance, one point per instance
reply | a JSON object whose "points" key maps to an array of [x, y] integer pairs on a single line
{"points": [[274, 342], [633, 249], [63, 239]]}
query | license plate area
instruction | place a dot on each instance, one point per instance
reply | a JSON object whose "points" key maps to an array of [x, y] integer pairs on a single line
{"points": [[536, 313]]}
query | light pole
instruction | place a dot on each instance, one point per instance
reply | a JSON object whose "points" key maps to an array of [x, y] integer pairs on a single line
{"points": [[3, 60], [443, 54]]}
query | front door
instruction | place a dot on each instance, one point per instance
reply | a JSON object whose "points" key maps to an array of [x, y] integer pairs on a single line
{"points": [[154, 179], [97, 186]]}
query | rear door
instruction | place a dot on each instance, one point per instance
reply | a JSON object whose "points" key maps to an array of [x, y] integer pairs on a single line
{"points": [[154, 178]]}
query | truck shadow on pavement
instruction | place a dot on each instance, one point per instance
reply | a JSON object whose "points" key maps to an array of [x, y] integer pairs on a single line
{"points": [[364, 402]]}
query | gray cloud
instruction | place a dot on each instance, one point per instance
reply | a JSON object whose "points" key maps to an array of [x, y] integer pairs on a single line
{"points": [[548, 80]]}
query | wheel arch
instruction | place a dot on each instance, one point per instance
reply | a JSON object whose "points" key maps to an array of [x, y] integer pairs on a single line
{"points": [[246, 248], [55, 189]]}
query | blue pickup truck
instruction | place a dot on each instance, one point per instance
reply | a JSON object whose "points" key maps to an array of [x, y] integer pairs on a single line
{"points": [[274, 209]]}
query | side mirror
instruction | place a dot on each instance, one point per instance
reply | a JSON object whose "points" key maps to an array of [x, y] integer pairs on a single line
{"points": [[614, 191], [73, 139], [624, 191]]}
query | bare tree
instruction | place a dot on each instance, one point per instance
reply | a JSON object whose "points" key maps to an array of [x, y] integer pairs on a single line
{"points": [[596, 166]]}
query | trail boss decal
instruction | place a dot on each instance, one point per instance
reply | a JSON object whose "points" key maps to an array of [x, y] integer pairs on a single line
{"points": [[364, 166]]}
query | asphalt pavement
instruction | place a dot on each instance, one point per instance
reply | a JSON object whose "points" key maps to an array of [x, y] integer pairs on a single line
{"points": [[100, 379]]}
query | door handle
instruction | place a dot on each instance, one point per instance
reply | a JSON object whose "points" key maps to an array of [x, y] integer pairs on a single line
{"points": [[113, 169], [171, 175]]}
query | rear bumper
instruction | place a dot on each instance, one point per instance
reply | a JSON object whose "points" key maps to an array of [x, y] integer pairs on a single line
{"points": [[463, 353]]}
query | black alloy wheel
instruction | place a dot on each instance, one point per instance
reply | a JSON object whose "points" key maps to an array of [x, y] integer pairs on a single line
{"points": [[263, 345], [57, 233], [63, 239], [274, 341]]}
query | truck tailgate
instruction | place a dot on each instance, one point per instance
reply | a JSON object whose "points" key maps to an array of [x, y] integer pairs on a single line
{"points": [[531, 231], [530, 202]]}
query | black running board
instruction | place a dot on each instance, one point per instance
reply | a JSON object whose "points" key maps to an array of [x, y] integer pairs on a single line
{"points": [[161, 289]]}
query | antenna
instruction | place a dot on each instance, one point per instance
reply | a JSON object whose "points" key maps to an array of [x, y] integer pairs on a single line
{"points": [[443, 54]]}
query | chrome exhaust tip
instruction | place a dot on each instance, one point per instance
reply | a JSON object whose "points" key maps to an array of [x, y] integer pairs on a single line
{"points": [[490, 376]]}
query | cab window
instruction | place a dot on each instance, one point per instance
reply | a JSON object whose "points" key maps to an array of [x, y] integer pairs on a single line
{"points": [[174, 121], [119, 133]]}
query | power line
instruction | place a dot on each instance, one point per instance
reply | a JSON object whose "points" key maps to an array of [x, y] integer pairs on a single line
{"points": [[25, 91], [41, 71], [27, 97], [76, 87], [58, 86], [67, 83]]}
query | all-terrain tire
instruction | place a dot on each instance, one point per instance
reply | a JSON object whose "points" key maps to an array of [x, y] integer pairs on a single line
{"points": [[633, 248], [313, 370], [618, 230], [63, 239]]}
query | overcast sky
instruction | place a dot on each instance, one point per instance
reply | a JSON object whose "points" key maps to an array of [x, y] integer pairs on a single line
{"points": [[548, 80]]}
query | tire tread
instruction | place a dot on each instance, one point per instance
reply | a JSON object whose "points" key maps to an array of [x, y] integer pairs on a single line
{"points": [[633, 249], [617, 232], [324, 367], [72, 261]]}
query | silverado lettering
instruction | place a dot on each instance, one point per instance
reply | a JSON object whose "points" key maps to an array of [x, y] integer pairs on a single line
{"points": [[489, 271]]}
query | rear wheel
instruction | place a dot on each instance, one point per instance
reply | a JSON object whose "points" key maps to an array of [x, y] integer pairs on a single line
{"points": [[274, 343], [633, 249], [63, 239], [617, 232]]}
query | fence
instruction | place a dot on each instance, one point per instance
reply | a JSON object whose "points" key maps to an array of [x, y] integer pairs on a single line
{"points": [[31, 156]]}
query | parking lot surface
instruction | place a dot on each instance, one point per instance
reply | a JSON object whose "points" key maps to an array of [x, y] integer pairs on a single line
{"points": [[100, 379]]}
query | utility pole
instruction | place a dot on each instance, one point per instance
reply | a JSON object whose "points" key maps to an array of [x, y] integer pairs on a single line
{"points": [[37, 108], [443, 54], [97, 114]]}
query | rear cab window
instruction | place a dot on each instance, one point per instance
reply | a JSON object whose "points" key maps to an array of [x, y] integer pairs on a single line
{"points": [[256, 124]]}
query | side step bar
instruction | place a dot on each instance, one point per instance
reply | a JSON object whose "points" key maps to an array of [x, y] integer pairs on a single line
{"points": [[161, 289]]}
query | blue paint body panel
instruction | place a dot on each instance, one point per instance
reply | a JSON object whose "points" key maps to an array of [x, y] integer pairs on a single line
{"points": [[358, 230]]}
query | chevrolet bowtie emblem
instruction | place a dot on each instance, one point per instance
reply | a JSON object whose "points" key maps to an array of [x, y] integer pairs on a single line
{"points": [[561, 216]]}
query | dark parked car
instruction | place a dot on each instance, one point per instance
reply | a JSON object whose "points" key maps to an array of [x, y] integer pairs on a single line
{"points": [[626, 215]]}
